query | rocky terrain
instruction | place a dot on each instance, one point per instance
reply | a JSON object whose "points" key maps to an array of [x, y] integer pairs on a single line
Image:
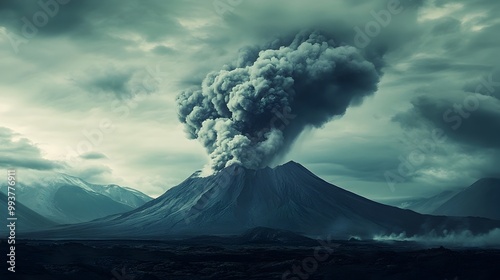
{"points": [[230, 259]]}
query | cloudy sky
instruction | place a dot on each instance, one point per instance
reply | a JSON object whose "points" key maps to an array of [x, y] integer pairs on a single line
{"points": [[89, 88]]}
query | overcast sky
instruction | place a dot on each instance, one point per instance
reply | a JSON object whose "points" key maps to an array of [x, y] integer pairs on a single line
{"points": [[88, 88]]}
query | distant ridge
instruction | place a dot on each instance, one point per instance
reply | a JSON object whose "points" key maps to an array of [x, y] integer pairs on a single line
{"points": [[27, 218], [481, 199]]}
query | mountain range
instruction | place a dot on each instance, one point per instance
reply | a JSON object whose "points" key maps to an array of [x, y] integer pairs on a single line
{"points": [[288, 197], [67, 199], [27, 219], [478, 200], [481, 199]]}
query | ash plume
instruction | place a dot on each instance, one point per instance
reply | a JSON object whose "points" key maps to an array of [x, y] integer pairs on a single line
{"points": [[251, 112]]}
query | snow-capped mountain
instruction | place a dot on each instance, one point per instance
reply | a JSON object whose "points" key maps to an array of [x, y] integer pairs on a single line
{"points": [[481, 199], [28, 219], [288, 197], [66, 199]]}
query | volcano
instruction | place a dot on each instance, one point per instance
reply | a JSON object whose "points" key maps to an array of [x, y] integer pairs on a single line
{"points": [[288, 197]]}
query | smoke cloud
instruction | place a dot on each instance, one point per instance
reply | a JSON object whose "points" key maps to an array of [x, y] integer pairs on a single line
{"points": [[463, 238], [251, 112]]}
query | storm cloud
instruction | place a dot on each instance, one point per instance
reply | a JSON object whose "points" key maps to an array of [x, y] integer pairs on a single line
{"points": [[252, 111], [22, 153]]}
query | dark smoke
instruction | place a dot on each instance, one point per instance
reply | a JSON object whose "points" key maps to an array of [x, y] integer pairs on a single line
{"points": [[251, 112]]}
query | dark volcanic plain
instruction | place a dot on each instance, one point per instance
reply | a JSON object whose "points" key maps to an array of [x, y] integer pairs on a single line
{"points": [[217, 258]]}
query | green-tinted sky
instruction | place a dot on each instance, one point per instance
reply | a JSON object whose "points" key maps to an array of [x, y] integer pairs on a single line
{"points": [[88, 88]]}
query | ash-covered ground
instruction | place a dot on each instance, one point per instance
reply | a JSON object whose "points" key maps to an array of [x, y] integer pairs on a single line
{"points": [[216, 258]]}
